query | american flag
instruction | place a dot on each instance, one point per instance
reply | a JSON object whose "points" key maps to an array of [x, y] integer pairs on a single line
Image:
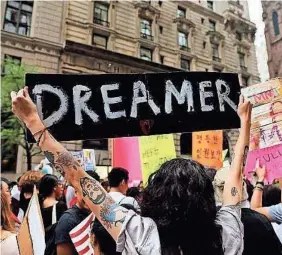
{"points": [[80, 236]]}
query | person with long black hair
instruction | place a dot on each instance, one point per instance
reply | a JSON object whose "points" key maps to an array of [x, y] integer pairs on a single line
{"points": [[50, 191], [175, 219]]}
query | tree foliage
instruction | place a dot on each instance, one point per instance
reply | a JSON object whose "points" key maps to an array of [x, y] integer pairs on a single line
{"points": [[13, 132]]}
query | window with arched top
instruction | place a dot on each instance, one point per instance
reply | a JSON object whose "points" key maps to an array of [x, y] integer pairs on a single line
{"points": [[275, 23]]}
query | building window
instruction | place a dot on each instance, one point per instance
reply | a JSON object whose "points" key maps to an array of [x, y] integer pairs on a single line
{"points": [[245, 81], [242, 60], [181, 13], [146, 29], [202, 20], [101, 11], [217, 70], [238, 36], [183, 41], [18, 17], [100, 41], [9, 59], [275, 23], [215, 52], [210, 4], [161, 59], [146, 54], [161, 29], [185, 64], [186, 143], [98, 144], [204, 45], [206, 69], [160, 3], [212, 25]]}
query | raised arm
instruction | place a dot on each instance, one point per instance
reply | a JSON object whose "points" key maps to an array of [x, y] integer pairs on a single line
{"points": [[256, 201], [232, 193], [101, 204]]}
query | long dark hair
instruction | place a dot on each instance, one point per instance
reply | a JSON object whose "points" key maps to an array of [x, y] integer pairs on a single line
{"points": [[179, 197], [46, 186]]}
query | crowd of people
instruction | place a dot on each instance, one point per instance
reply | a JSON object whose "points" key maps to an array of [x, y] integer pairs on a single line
{"points": [[184, 207]]}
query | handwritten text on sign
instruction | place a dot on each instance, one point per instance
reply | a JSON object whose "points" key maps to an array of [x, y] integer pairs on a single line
{"points": [[119, 105], [207, 148], [154, 151], [271, 157]]}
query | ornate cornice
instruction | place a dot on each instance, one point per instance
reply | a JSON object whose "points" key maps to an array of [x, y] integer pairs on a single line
{"points": [[104, 60], [215, 37], [146, 10], [31, 44], [184, 25], [198, 8]]}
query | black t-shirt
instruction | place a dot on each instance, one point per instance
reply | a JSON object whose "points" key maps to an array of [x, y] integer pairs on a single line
{"points": [[259, 235], [61, 207], [69, 220]]}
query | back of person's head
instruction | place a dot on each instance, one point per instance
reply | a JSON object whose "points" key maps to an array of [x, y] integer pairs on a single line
{"points": [[271, 195], [47, 185], [179, 197], [6, 214], [211, 172], [133, 192], [105, 185], [117, 176], [32, 178], [94, 175]]}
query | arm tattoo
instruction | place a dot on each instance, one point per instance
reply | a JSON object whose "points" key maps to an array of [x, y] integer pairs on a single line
{"points": [[111, 213], [64, 160], [234, 191], [93, 190]]}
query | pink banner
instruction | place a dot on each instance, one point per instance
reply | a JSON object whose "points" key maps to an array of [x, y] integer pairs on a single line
{"points": [[126, 154], [271, 157]]}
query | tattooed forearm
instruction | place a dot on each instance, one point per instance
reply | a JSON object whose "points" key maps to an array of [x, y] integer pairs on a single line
{"points": [[93, 190], [111, 213], [234, 191], [61, 161]]}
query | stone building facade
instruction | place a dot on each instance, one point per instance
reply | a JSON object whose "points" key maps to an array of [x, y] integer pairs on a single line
{"points": [[272, 16], [135, 37]]}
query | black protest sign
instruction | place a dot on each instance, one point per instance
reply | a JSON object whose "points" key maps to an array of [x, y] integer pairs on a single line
{"points": [[79, 107]]}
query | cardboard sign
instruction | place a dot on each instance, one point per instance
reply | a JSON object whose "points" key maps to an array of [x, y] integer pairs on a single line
{"points": [[271, 157], [31, 235], [79, 107], [266, 123], [125, 153], [207, 148], [89, 159], [154, 151]]}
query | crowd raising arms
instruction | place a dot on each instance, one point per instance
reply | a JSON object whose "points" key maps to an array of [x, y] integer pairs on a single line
{"points": [[101, 204]]}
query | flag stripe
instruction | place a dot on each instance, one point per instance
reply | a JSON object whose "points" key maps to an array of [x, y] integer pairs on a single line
{"points": [[81, 241], [78, 232], [84, 251]]}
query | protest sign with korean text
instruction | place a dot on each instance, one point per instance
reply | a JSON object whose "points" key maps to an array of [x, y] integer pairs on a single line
{"points": [[207, 148], [79, 107], [154, 151]]}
